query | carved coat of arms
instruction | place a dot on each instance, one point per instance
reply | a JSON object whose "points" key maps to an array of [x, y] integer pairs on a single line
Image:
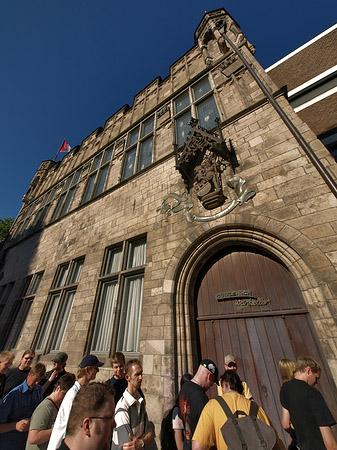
{"points": [[201, 163]]}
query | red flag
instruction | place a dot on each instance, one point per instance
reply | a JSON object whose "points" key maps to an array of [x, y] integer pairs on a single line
{"points": [[65, 147]]}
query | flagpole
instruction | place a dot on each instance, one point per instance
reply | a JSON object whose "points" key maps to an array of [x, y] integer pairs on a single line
{"points": [[58, 151]]}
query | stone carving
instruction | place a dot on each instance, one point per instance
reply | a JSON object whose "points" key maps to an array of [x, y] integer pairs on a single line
{"points": [[163, 110], [201, 163]]}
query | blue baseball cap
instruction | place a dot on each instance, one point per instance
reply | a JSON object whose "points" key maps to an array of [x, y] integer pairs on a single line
{"points": [[91, 360]]}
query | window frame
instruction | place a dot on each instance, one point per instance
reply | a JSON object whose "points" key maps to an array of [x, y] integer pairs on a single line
{"points": [[120, 278], [21, 308], [67, 195], [192, 107], [95, 172], [137, 146], [50, 330]]}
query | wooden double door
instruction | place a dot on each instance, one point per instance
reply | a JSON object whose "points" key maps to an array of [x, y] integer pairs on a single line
{"points": [[249, 305]]}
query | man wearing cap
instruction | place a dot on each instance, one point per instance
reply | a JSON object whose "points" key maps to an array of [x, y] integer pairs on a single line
{"points": [[89, 367], [230, 364], [192, 398], [53, 375]]}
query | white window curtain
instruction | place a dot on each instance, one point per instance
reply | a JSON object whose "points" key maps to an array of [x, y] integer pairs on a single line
{"points": [[129, 325], [47, 322], [101, 339], [62, 320], [137, 253]]}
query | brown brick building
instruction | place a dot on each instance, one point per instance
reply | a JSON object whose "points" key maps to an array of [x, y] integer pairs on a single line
{"points": [[175, 239], [310, 73]]}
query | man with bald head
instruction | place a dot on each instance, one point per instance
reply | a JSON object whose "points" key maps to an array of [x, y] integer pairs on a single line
{"points": [[193, 398]]}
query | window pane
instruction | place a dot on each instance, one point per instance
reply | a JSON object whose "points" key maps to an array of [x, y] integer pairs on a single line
{"points": [[34, 285], [182, 102], [145, 157], [89, 188], [107, 155], [47, 322], [19, 321], [101, 180], [113, 260], [207, 112], [76, 272], [25, 285], [62, 320], [59, 206], [129, 325], [101, 338], [148, 126], [136, 256], [183, 128], [129, 163], [68, 201], [133, 137], [201, 88], [76, 177], [61, 276], [96, 163]]}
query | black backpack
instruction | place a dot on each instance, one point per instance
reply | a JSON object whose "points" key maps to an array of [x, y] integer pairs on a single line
{"points": [[247, 432], [167, 440]]}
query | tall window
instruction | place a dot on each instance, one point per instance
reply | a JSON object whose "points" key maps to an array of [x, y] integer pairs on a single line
{"points": [[57, 312], [98, 174], [138, 154], [120, 292], [197, 102], [67, 195], [43, 208], [5, 291], [21, 309]]}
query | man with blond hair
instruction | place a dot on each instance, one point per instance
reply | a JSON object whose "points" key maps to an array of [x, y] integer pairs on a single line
{"points": [[304, 408], [17, 408], [6, 360], [91, 420], [89, 367], [17, 375]]}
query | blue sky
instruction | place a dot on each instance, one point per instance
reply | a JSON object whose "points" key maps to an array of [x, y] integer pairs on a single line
{"points": [[68, 65]]}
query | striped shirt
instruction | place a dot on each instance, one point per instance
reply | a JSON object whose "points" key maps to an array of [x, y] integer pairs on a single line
{"points": [[130, 417]]}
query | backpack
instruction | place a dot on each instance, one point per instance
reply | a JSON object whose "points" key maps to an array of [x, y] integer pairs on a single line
{"points": [[167, 440], [248, 432]]}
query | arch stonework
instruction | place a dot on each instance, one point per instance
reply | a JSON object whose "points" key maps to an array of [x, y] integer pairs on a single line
{"points": [[287, 244]]}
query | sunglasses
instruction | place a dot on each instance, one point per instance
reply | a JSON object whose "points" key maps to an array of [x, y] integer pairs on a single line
{"points": [[232, 364], [29, 359]]}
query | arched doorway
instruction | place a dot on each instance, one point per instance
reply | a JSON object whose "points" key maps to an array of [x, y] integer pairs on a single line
{"points": [[249, 304]]}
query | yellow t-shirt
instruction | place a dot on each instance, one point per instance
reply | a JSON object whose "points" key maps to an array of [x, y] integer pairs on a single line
{"points": [[208, 433], [246, 391]]}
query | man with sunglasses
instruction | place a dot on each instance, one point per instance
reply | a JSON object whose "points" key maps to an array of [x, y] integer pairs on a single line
{"points": [[230, 364], [91, 420], [16, 376]]}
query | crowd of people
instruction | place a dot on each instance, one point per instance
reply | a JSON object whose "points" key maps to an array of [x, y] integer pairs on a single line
{"points": [[52, 410]]}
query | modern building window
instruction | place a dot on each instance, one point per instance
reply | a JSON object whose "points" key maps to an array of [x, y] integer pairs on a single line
{"points": [[67, 195], [59, 304], [117, 313], [139, 148], [21, 309], [98, 175], [197, 102]]}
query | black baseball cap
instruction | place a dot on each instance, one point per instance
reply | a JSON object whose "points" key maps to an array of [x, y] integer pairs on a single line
{"points": [[210, 365], [91, 360]]}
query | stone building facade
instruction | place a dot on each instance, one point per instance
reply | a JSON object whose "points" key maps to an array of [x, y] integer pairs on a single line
{"points": [[174, 239]]}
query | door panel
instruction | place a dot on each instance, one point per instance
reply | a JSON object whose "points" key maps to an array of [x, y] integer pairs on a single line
{"points": [[258, 336]]}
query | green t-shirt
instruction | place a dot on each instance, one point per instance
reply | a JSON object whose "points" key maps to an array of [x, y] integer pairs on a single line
{"points": [[43, 418]]}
